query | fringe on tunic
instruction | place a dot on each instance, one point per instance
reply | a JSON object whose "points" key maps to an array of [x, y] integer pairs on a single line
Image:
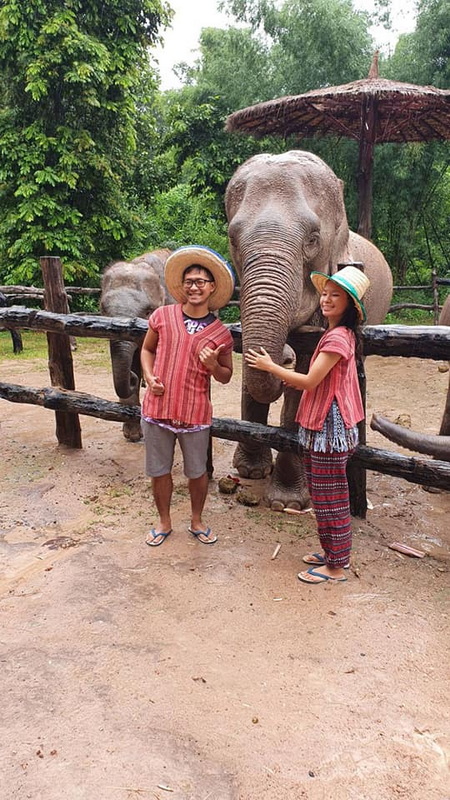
{"points": [[334, 436]]}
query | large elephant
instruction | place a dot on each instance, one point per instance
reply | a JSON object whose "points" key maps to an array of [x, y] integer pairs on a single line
{"points": [[286, 218], [132, 289]]}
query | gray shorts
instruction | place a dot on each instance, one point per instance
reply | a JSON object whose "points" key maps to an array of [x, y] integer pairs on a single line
{"points": [[160, 447]]}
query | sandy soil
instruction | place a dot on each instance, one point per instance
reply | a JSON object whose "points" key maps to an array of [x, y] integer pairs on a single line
{"points": [[212, 673]]}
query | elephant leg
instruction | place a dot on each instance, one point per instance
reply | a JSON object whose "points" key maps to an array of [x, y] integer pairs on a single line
{"points": [[445, 425], [251, 459], [288, 487], [132, 428]]}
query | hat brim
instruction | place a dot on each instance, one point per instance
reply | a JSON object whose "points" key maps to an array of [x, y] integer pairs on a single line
{"points": [[186, 257], [319, 280]]}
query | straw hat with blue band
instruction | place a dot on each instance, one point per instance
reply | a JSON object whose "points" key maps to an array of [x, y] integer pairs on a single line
{"points": [[197, 255], [352, 279]]}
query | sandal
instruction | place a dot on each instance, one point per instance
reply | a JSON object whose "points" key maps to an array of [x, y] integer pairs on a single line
{"points": [[208, 536], [303, 576], [318, 560], [154, 535]]}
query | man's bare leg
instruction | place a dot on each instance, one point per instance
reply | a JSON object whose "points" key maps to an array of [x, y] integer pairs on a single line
{"points": [[198, 490], [162, 493]]}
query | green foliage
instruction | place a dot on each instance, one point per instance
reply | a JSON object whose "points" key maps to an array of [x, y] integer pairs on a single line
{"points": [[70, 82], [182, 171], [234, 65], [412, 188], [423, 55], [179, 217], [96, 164], [412, 182], [34, 346], [291, 48], [313, 43], [230, 314]]}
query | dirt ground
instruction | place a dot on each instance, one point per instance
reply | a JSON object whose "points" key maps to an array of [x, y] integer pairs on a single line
{"points": [[212, 673]]}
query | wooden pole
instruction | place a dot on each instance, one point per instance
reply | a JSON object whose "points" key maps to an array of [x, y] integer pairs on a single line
{"points": [[356, 473], [435, 296], [60, 363], [365, 166]]}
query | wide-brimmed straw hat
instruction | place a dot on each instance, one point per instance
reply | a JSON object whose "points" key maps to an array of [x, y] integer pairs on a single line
{"points": [[196, 255], [352, 279]]}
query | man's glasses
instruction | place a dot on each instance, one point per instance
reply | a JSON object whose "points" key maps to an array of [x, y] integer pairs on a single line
{"points": [[188, 283]]}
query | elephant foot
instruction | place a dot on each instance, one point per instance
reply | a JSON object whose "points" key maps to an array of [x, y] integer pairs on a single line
{"points": [[255, 464], [288, 487], [132, 431], [280, 497]]}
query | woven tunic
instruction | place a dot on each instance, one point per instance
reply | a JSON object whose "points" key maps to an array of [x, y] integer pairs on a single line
{"points": [[186, 381], [341, 384]]}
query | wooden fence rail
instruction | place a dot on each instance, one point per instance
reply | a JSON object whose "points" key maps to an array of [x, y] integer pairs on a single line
{"points": [[385, 340], [426, 472], [419, 341]]}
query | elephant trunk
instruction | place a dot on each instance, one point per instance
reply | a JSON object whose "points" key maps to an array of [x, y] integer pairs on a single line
{"points": [[267, 311], [126, 381], [437, 446]]}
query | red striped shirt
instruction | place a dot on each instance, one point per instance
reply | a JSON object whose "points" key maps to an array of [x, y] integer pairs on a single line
{"points": [[177, 364], [340, 383]]}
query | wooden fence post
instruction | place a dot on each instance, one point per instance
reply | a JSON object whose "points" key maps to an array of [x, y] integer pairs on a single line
{"points": [[60, 363], [435, 288], [356, 474]]}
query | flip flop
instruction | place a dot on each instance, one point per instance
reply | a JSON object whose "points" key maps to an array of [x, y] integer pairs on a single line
{"points": [[154, 534], [323, 578], [209, 536], [317, 560]]}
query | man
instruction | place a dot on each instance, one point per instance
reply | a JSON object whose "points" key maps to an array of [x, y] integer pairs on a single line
{"points": [[185, 344]]}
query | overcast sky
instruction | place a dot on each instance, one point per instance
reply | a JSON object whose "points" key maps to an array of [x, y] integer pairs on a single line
{"points": [[181, 41]]}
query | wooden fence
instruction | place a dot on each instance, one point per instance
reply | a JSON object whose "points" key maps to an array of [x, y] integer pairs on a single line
{"points": [[434, 288], [385, 340]]}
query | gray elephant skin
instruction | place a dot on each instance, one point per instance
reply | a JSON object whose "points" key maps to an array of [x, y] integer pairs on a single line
{"points": [[286, 217], [132, 289]]}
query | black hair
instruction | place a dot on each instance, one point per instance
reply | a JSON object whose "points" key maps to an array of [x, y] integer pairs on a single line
{"points": [[198, 266], [351, 319]]}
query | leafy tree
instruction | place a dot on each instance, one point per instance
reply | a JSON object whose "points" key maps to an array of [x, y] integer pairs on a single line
{"points": [[314, 43], [71, 74], [424, 54], [412, 187], [282, 49], [235, 64], [412, 181]]}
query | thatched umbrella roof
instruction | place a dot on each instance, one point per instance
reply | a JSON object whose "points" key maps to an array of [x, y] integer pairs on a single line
{"points": [[372, 111]]}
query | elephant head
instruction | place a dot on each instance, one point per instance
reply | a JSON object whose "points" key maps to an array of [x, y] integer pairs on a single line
{"points": [[131, 289], [286, 218]]}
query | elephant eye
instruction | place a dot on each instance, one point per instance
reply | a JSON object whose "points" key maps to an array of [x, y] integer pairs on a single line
{"points": [[311, 244]]}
